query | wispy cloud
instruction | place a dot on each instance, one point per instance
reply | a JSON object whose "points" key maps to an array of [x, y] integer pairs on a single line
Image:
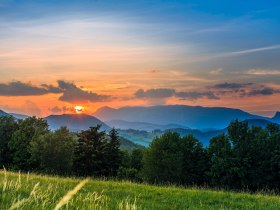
{"points": [[230, 54], [167, 93], [263, 72]]}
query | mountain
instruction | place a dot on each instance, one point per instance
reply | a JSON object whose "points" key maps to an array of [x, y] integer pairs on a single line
{"points": [[122, 124], [258, 122], [144, 138], [15, 115], [188, 116], [129, 145], [276, 117], [74, 122], [2, 113], [19, 116]]}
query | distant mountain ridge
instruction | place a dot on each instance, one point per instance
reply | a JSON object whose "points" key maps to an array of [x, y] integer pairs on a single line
{"points": [[2, 113], [196, 117], [276, 117], [122, 124], [74, 122]]}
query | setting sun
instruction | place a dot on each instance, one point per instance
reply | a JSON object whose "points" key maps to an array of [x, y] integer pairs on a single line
{"points": [[79, 109]]}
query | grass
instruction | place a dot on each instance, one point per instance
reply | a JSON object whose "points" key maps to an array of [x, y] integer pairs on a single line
{"points": [[29, 191]]}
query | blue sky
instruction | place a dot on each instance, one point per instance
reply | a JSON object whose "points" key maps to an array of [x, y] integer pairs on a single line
{"points": [[189, 45]]}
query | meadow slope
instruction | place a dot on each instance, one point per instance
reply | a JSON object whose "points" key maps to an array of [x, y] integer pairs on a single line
{"points": [[24, 191]]}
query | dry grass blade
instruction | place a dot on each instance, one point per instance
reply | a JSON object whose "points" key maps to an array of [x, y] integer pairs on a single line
{"points": [[21, 202], [70, 194]]}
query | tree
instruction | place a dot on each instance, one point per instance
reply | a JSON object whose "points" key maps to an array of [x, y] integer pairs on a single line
{"points": [[8, 125], [112, 153], [195, 161], [220, 153], [54, 151], [136, 161], [89, 156], [163, 159], [248, 155], [28, 130]]}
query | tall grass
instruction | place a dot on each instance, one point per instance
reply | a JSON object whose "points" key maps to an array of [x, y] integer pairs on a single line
{"points": [[29, 191]]}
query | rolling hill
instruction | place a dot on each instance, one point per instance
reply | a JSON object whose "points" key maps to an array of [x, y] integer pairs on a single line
{"points": [[2, 113], [122, 124], [276, 117], [75, 122], [195, 117]]}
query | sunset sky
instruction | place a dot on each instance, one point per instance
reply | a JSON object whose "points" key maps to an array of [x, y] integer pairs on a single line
{"points": [[55, 55]]}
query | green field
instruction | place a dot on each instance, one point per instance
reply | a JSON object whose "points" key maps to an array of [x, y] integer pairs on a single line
{"points": [[24, 191]]}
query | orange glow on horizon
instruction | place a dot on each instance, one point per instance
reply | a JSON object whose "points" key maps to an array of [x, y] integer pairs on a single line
{"points": [[79, 109]]}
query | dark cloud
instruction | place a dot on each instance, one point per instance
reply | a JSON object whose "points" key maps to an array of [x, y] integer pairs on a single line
{"points": [[232, 85], [155, 93], [72, 94], [26, 89], [244, 89], [166, 93], [263, 91]]}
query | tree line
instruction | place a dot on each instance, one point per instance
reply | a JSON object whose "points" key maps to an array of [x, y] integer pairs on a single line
{"points": [[243, 158]]}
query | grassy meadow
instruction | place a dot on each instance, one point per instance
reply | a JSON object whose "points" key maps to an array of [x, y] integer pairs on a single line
{"points": [[28, 191]]}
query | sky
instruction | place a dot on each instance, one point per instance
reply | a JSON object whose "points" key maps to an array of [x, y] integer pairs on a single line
{"points": [[55, 55]]}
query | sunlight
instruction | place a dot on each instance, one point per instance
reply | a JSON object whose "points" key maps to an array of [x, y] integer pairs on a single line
{"points": [[79, 109]]}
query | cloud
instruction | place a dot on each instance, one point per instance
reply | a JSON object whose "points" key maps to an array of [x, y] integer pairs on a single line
{"points": [[72, 94], [216, 71], [55, 109], [155, 93], [196, 95], [230, 54], [162, 93], [263, 91], [263, 72], [31, 108], [231, 85], [18, 88], [244, 89]]}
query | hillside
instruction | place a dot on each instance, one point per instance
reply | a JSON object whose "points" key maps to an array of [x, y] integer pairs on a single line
{"points": [[44, 192], [276, 117], [195, 117], [122, 124], [75, 122], [144, 137], [2, 113]]}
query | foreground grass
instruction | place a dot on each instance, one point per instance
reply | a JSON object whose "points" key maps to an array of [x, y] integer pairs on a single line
{"points": [[23, 191]]}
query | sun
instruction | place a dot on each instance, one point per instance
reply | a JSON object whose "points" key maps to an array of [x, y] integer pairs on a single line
{"points": [[79, 109]]}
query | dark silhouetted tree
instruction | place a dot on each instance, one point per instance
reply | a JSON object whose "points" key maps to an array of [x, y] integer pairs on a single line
{"points": [[29, 130], [54, 151], [8, 125], [163, 159]]}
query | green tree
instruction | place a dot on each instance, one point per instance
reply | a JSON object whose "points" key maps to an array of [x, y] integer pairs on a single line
{"points": [[163, 159], [8, 125], [249, 153], [273, 161], [220, 153], [112, 153], [54, 151], [89, 152], [136, 161], [29, 130], [195, 161]]}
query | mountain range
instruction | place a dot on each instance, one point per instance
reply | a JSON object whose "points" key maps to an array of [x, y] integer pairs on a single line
{"points": [[195, 117], [74, 122], [142, 124]]}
